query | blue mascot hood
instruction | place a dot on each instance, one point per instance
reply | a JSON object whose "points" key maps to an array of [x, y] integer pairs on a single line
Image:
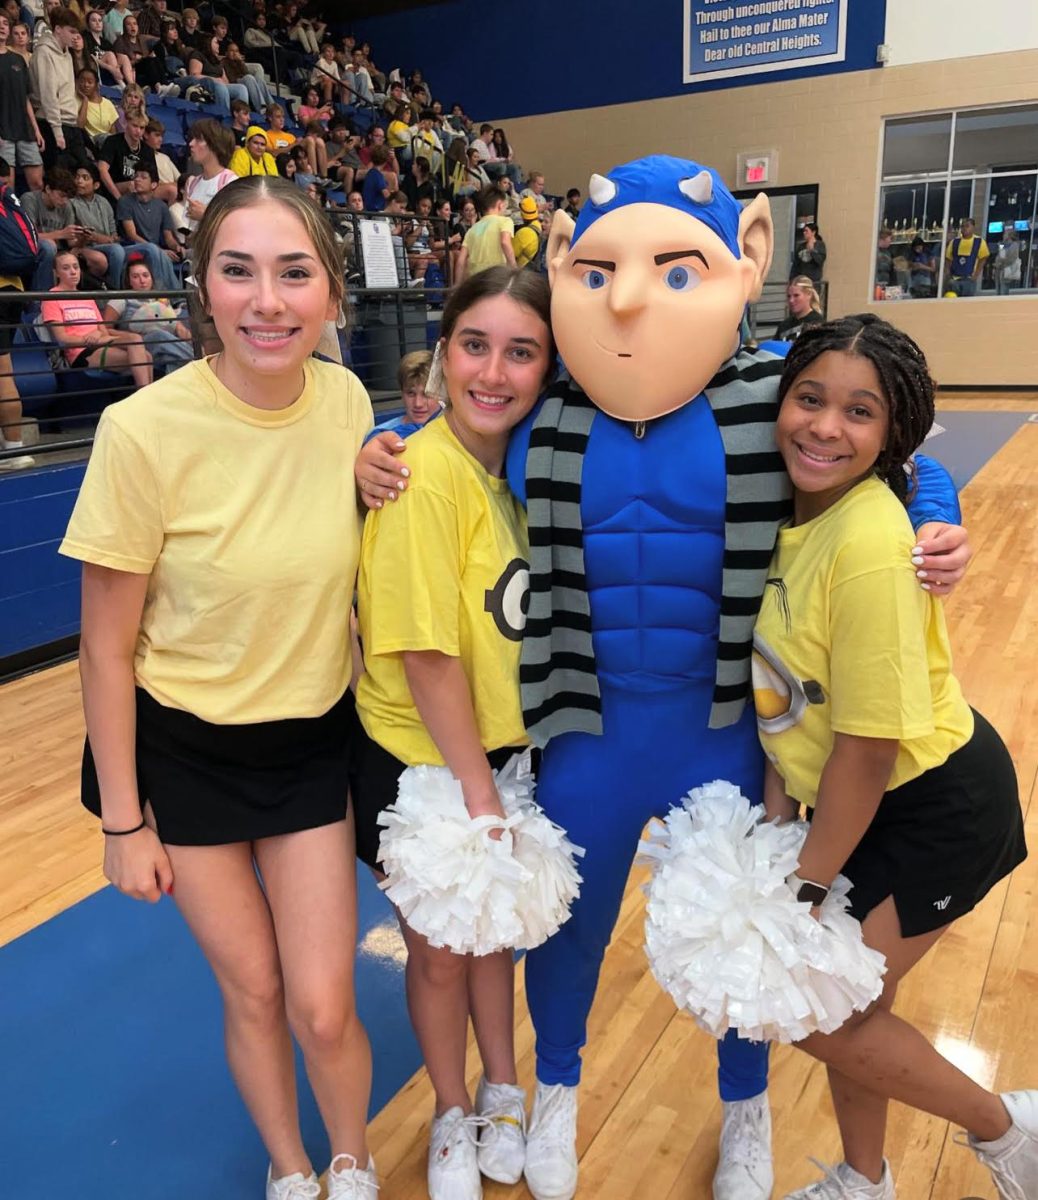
{"points": [[662, 179]]}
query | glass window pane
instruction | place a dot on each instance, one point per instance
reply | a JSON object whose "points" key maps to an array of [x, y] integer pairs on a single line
{"points": [[916, 145], [996, 139]]}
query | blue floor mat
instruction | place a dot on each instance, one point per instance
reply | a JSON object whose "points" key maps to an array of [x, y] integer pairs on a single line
{"points": [[112, 1058], [970, 439]]}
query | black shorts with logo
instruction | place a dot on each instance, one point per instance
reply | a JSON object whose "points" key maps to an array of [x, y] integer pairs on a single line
{"points": [[940, 843]]}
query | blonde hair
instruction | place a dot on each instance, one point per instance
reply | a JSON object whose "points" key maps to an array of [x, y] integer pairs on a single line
{"points": [[413, 371], [257, 189], [806, 284]]}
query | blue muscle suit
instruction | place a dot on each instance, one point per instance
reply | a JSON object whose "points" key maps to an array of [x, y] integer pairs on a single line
{"points": [[653, 510]]}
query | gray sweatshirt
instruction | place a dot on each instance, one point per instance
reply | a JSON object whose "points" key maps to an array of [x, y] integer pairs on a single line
{"points": [[53, 81]]}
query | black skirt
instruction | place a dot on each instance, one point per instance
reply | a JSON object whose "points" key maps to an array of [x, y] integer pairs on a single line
{"points": [[374, 774], [939, 843], [212, 785]]}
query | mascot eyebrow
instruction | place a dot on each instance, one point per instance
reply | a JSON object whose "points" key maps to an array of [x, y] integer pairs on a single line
{"points": [[663, 179], [660, 260]]}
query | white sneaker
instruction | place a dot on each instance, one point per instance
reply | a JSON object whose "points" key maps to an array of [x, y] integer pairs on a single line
{"points": [[502, 1144], [1013, 1159], [844, 1183], [453, 1170], [18, 463], [346, 1181], [551, 1144], [744, 1168], [293, 1187]]}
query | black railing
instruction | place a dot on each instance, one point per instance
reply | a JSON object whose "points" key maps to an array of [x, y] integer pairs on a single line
{"points": [[61, 403]]}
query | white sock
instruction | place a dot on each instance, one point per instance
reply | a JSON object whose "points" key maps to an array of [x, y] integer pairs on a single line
{"points": [[1009, 1138], [9, 445]]}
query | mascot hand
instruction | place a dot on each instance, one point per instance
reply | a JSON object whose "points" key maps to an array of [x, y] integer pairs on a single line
{"points": [[941, 556], [378, 473]]}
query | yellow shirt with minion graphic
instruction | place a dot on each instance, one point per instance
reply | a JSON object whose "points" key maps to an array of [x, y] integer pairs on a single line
{"points": [[848, 642], [445, 569]]}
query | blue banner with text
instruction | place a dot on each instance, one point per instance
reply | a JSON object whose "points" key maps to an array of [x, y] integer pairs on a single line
{"points": [[746, 37]]}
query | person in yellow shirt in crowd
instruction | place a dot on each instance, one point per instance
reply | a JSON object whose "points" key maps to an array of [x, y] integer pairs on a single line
{"points": [[526, 241], [965, 255], [220, 539], [914, 796], [279, 138], [398, 135], [254, 158], [489, 242], [441, 610]]}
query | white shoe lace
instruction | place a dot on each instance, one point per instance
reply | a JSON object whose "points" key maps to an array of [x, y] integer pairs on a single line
{"points": [[554, 1123], [1008, 1188], [832, 1187], [744, 1137], [351, 1181], [446, 1135], [297, 1189]]}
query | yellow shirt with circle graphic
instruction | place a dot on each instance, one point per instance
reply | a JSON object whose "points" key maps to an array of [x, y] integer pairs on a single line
{"points": [[446, 569], [245, 521], [848, 642]]}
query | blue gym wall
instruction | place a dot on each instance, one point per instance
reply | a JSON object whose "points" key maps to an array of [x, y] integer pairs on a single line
{"points": [[544, 56], [39, 590]]}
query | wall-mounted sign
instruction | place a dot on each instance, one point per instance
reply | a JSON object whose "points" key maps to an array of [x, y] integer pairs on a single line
{"points": [[748, 37], [757, 168]]}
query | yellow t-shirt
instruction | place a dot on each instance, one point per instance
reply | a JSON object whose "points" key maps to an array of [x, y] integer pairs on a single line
{"points": [[526, 241], [443, 569], [101, 116], [483, 242], [965, 247], [279, 139], [246, 521], [398, 134], [848, 642]]}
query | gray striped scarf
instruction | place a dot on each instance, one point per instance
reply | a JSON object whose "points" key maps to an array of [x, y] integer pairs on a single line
{"points": [[558, 676]]}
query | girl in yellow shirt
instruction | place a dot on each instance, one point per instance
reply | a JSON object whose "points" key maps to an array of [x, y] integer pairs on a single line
{"points": [[914, 795], [441, 608], [219, 532]]}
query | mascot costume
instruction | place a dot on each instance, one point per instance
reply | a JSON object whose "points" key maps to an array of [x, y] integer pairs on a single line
{"points": [[654, 494]]}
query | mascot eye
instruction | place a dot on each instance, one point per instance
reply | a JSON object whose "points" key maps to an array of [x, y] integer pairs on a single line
{"points": [[595, 280], [681, 279]]}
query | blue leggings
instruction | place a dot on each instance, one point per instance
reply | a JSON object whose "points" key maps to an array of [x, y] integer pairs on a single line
{"points": [[603, 790]]}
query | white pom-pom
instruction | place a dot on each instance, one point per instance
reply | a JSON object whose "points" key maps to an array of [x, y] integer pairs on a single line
{"points": [[728, 940], [459, 887]]}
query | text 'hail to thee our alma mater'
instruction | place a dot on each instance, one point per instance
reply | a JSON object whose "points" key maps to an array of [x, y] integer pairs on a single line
{"points": [[723, 34]]}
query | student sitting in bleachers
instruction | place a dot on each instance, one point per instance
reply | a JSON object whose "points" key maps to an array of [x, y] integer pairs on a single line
{"points": [[311, 108], [154, 138], [100, 49], [241, 119], [342, 162], [211, 146], [240, 71], [160, 323], [97, 114], [93, 214], [76, 325], [205, 67], [254, 158], [145, 219], [50, 212], [279, 138]]}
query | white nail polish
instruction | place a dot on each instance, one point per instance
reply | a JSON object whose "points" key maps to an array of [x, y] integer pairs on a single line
{"points": [[917, 560], [921, 575], [925, 587]]}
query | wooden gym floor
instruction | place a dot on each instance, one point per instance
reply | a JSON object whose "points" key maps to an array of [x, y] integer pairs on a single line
{"points": [[649, 1116]]}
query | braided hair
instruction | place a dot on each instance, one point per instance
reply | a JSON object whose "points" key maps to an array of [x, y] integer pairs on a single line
{"points": [[903, 373]]}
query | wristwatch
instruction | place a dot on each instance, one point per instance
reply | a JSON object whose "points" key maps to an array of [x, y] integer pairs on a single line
{"points": [[806, 891]]}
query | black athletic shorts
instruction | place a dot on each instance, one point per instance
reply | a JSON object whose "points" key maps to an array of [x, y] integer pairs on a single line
{"points": [[211, 785], [940, 843], [374, 774]]}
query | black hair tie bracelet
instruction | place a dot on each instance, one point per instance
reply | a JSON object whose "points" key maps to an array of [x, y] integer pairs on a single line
{"points": [[123, 832]]}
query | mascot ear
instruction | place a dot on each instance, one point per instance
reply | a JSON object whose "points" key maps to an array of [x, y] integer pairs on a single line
{"points": [[560, 236], [757, 242]]}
